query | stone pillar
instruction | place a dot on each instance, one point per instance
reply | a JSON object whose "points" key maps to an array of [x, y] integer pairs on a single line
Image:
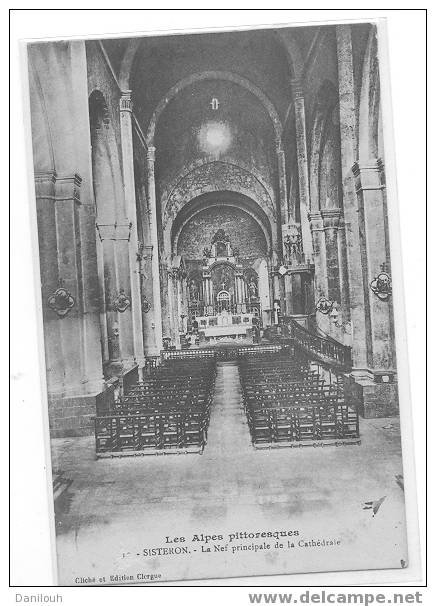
{"points": [[331, 219], [319, 255], [207, 289], [70, 315], [173, 323], [157, 308], [130, 201], [145, 256], [373, 218], [281, 172], [69, 266], [303, 170], [343, 271], [239, 289], [289, 306], [358, 288], [278, 294], [116, 285], [92, 301], [50, 278], [373, 391], [180, 310]]}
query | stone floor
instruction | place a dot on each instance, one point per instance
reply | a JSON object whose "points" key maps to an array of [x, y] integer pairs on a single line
{"points": [[116, 508]]}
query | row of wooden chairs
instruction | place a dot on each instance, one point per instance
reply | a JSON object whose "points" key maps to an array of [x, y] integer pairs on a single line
{"points": [[310, 421], [156, 431], [287, 400], [169, 411]]}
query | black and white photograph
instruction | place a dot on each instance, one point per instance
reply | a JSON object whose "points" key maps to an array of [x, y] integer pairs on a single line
{"points": [[219, 330]]}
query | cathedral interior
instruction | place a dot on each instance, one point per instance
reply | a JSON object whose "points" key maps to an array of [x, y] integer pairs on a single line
{"points": [[199, 190], [214, 196]]}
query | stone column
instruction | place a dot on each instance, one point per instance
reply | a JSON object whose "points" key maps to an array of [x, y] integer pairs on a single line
{"points": [[302, 162], [283, 196], [116, 294], [151, 191], [130, 201], [50, 278], [358, 287], [72, 341], [343, 271], [173, 306], [148, 330], [207, 290], [69, 266], [239, 289], [278, 290], [331, 219], [373, 218], [289, 306], [319, 255], [93, 302], [179, 301]]}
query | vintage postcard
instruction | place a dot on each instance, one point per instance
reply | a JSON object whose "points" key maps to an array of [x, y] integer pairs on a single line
{"points": [[217, 301]]}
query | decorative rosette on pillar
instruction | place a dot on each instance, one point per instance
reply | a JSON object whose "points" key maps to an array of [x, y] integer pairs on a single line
{"points": [[121, 302], [381, 286], [61, 301], [324, 305]]}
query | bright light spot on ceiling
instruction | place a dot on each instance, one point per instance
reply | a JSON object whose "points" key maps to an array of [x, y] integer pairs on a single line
{"points": [[214, 138]]}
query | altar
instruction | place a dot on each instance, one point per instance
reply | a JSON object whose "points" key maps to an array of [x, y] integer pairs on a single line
{"points": [[225, 326], [223, 295]]}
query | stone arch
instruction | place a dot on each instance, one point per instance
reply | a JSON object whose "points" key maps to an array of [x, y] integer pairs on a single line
{"points": [[219, 263], [325, 103], [238, 164], [330, 178], [369, 107], [212, 177], [292, 50], [214, 75], [293, 53], [108, 189], [215, 177], [42, 142], [127, 62]]}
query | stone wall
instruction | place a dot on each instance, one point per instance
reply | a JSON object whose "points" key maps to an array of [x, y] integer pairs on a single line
{"points": [[243, 231]]}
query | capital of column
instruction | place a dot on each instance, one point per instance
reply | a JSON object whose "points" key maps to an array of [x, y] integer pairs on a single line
{"points": [[68, 188], [331, 217], [151, 153], [126, 101], [316, 221], [45, 184], [368, 174]]}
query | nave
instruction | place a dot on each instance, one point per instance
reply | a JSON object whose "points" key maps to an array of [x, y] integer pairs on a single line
{"points": [[287, 401], [223, 185]]}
